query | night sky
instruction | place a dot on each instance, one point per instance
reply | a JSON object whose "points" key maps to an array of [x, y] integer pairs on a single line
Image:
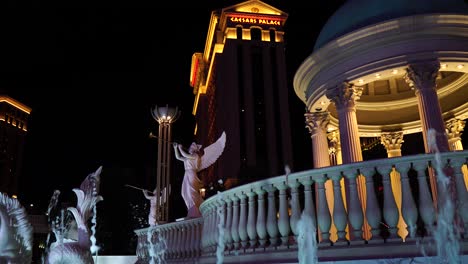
{"points": [[91, 77]]}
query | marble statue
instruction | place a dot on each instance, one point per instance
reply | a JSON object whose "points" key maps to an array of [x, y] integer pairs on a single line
{"points": [[78, 251], [16, 232], [152, 197], [194, 162]]}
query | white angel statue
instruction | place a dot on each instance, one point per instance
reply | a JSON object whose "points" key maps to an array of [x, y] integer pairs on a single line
{"points": [[193, 163]]}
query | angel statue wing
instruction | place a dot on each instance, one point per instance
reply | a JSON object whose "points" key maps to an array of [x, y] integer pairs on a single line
{"points": [[213, 151]]}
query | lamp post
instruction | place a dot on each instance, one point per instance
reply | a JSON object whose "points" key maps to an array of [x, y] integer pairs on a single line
{"points": [[165, 116]]}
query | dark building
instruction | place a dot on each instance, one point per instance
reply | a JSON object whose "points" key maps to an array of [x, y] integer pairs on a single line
{"points": [[241, 88], [13, 128]]}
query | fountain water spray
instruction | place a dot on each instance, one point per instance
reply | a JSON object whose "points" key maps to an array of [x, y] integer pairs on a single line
{"points": [[307, 243], [157, 250], [220, 247], [94, 248], [446, 234], [52, 203]]}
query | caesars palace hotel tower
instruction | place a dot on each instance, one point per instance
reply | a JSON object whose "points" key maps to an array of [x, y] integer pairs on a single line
{"points": [[240, 87]]}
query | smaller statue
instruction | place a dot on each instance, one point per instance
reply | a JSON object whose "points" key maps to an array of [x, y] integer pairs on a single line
{"points": [[16, 233], [194, 162], [152, 197]]}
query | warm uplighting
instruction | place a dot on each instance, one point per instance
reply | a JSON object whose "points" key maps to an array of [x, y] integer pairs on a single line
{"points": [[377, 75], [460, 66], [14, 196], [360, 81], [394, 71], [443, 66], [202, 192]]}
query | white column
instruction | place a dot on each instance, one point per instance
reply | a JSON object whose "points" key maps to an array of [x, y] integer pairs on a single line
{"points": [[344, 97], [317, 124], [422, 78]]}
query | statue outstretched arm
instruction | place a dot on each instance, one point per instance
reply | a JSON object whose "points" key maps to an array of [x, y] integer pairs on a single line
{"points": [[145, 193], [177, 153], [187, 155]]}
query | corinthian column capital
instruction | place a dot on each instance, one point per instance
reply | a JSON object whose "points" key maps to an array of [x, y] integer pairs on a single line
{"points": [[392, 140], [317, 121], [344, 95], [422, 75], [455, 127]]}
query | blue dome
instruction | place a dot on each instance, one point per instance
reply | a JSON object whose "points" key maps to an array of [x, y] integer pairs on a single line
{"points": [[355, 14]]}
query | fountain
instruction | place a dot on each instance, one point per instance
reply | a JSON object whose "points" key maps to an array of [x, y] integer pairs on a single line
{"points": [[446, 234], [81, 250], [307, 243]]}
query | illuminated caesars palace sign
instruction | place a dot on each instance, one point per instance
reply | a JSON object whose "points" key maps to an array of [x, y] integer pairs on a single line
{"points": [[253, 20]]}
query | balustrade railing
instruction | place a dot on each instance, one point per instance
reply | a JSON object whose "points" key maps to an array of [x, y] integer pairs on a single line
{"points": [[261, 218]]}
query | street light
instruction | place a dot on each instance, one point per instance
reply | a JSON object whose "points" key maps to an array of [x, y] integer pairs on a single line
{"points": [[165, 116]]}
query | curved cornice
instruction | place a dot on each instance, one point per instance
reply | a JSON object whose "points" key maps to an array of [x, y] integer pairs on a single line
{"points": [[382, 46]]}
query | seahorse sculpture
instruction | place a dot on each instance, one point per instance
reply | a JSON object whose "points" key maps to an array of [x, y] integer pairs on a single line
{"points": [[16, 232], [78, 252]]}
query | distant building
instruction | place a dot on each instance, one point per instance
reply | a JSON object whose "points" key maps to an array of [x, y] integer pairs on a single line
{"points": [[13, 128], [241, 88]]}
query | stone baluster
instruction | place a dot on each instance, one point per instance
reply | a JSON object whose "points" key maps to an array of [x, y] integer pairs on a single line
{"points": [[462, 194], [426, 206], [204, 236], [339, 212], [209, 227], [261, 218], [191, 240], [283, 221], [235, 222], [251, 220], [170, 242], [373, 215], [185, 240], [244, 238], [295, 206], [178, 247], [323, 213], [214, 227], [309, 207], [221, 224], [272, 221], [390, 209], [355, 212], [227, 233], [408, 205], [198, 239]]}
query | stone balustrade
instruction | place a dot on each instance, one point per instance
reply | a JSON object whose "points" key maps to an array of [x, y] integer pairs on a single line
{"points": [[260, 219]]}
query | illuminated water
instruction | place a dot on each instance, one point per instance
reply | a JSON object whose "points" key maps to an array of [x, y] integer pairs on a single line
{"points": [[446, 235], [307, 243], [156, 250]]}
